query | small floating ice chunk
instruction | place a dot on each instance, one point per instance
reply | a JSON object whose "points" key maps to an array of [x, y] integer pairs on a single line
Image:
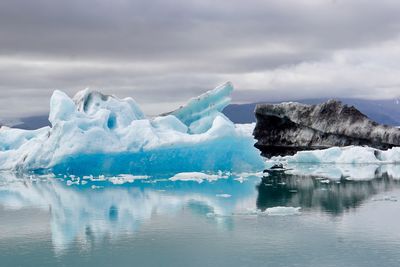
{"points": [[196, 177], [126, 178], [386, 198], [282, 211], [325, 181], [273, 211]]}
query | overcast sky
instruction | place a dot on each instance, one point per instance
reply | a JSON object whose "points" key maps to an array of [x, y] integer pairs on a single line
{"points": [[165, 51]]}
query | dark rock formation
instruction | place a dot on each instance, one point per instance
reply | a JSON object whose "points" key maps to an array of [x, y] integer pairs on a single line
{"points": [[283, 129]]}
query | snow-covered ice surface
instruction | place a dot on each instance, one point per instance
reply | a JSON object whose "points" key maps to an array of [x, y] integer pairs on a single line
{"points": [[98, 134]]}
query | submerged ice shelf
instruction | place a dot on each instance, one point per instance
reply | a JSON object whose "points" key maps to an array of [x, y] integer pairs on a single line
{"points": [[95, 133]]}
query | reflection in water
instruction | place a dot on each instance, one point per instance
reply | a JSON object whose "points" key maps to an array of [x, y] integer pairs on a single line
{"points": [[281, 188], [88, 210]]}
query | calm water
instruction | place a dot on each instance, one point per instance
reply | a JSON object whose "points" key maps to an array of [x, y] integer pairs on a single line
{"points": [[142, 221]]}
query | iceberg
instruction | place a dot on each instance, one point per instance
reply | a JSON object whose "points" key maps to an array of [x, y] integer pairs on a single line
{"points": [[344, 155], [93, 133], [336, 163]]}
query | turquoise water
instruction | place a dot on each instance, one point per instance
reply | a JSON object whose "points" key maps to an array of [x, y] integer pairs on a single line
{"points": [[223, 220]]}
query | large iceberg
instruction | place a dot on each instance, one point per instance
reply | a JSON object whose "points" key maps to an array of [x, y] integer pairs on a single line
{"points": [[93, 133]]}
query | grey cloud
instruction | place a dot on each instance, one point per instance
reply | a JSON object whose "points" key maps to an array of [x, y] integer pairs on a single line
{"points": [[167, 29], [164, 51]]}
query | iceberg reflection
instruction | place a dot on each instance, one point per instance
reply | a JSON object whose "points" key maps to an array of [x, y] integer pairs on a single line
{"points": [[95, 208]]}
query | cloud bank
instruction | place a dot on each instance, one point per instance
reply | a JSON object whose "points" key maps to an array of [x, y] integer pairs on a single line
{"points": [[165, 51]]}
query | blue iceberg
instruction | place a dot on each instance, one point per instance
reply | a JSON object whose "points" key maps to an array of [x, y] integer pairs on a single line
{"points": [[93, 133]]}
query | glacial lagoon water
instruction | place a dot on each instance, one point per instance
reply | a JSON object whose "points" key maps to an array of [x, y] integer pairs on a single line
{"points": [[192, 219]]}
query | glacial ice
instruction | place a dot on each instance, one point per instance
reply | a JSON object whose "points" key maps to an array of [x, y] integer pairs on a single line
{"points": [[198, 114], [352, 163], [345, 155], [94, 134]]}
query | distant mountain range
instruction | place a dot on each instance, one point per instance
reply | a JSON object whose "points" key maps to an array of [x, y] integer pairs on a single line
{"points": [[382, 111], [34, 122]]}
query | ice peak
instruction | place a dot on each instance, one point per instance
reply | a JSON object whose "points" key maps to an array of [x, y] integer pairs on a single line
{"points": [[199, 112], [61, 107]]}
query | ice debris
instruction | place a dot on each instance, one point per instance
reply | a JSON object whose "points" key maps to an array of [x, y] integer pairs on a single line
{"points": [[196, 177], [282, 211]]}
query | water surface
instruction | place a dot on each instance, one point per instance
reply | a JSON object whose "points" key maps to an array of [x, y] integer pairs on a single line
{"points": [[222, 220]]}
